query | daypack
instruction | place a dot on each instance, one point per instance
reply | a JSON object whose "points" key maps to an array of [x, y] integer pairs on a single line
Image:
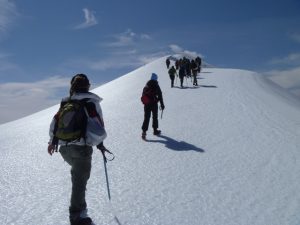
{"points": [[145, 99], [71, 120], [148, 96], [172, 71]]}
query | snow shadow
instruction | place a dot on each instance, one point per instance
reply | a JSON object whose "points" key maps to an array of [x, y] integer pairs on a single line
{"points": [[187, 87], [176, 145], [208, 86]]}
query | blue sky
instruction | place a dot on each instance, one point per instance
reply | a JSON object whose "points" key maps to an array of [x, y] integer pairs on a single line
{"points": [[44, 43]]}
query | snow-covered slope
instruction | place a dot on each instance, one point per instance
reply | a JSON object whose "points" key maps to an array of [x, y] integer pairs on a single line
{"points": [[228, 155]]}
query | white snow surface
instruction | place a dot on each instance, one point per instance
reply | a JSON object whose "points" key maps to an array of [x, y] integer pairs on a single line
{"points": [[228, 155]]}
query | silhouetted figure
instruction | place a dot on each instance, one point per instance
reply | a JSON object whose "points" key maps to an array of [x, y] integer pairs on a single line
{"points": [[198, 60], [194, 69], [182, 74], [168, 62], [172, 73]]}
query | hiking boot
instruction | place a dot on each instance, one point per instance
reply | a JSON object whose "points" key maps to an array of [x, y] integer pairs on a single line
{"points": [[144, 135], [83, 221], [80, 218], [156, 132]]}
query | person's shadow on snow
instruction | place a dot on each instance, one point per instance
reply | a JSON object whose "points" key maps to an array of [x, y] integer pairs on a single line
{"points": [[176, 145]]}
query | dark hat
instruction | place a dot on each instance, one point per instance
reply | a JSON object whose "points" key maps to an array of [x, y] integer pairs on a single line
{"points": [[79, 83]]}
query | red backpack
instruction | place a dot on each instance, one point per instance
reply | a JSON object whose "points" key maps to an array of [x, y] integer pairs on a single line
{"points": [[148, 96]]}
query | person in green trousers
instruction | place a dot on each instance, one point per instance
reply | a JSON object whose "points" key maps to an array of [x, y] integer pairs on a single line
{"points": [[78, 153]]}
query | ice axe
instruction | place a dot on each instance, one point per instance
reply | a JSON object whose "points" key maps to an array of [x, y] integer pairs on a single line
{"points": [[105, 159], [162, 111]]}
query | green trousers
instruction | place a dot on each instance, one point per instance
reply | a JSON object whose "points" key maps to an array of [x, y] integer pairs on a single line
{"points": [[80, 160]]}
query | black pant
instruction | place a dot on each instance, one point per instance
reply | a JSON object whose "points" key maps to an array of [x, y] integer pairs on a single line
{"points": [[172, 80], [195, 82], [181, 80], [147, 114]]}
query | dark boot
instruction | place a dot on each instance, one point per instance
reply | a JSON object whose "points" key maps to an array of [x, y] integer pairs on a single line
{"points": [[83, 221], [80, 218], [144, 135], [156, 132]]}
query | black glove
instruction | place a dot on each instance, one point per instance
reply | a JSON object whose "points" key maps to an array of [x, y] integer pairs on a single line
{"points": [[101, 147], [162, 106]]}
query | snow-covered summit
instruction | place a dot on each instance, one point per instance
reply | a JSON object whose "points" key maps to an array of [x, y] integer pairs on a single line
{"points": [[228, 155]]}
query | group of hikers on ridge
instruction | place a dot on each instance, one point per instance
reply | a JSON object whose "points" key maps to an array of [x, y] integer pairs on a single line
{"points": [[152, 94], [186, 68], [78, 126]]}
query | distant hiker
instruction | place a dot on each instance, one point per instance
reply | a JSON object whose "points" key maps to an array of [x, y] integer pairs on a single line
{"points": [[198, 60], [181, 74], [151, 96], [172, 73], [194, 69], [188, 68], [76, 128], [177, 64], [168, 62]]}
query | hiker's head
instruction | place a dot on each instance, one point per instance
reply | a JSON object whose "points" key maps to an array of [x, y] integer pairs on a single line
{"points": [[79, 83], [154, 76]]}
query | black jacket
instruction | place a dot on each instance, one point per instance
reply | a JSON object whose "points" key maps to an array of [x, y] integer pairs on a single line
{"points": [[153, 90]]}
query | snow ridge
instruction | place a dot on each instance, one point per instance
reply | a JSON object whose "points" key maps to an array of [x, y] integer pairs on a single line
{"points": [[228, 154]]}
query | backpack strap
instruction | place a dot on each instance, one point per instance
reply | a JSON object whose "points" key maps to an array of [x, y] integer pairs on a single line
{"points": [[62, 103]]}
